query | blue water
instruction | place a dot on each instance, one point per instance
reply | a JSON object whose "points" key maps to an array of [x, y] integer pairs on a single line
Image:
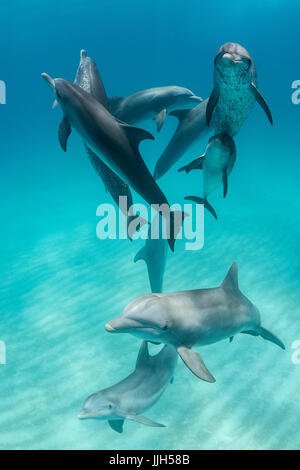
{"points": [[60, 284]]}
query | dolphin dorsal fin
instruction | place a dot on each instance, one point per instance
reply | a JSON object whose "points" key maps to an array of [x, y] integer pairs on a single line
{"points": [[231, 279], [135, 134], [143, 356], [114, 102], [180, 113]]}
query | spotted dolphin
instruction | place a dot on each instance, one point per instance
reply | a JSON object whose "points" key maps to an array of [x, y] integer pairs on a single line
{"points": [[115, 142], [194, 317], [217, 163], [192, 127], [89, 79], [135, 394], [154, 253], [235, 90], [152, 103]]}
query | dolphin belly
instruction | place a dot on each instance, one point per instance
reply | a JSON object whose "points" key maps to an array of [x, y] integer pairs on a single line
{"points": [[232, 110]]}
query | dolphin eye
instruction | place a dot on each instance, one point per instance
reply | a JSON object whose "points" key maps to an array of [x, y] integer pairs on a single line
{"points": [[110, 407], [166, 327]]}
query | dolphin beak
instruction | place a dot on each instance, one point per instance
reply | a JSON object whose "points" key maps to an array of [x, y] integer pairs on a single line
{"points": [[229, 59], [120, 324], [109, 328], [82, 414], [198, 99], [49, 80]]}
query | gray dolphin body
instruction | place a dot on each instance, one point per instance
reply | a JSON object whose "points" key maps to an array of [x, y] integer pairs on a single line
{"points": [[88, 78], [154, 253], [152, 103], [135, 394], [114, 141], [192, 127], [217, 163], [196, 317], [235, 90]]}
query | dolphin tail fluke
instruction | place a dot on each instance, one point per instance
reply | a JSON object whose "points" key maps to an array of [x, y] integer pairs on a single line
{"points": [[212, 102], [262, 102], [196, 164], [204, 201], [116, 424], [266, 334], [176, 221], [63, 133], [140, 255], [195, 363], [144, 420]]}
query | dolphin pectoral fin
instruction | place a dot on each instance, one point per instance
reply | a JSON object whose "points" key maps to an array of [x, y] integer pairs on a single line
{"points": [[135, 134], [196, 164], [55, 103], [195, 363], [116, 424], [144, 420], [266, 334], [63, 133], [231, 339], [262, 102], [212, 102], [250, 332], [140, 255], [225, 182], [180, 113], [204, 201], [160, 119]]}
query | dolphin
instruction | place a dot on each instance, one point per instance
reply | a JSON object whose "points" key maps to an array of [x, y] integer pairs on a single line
{"points": [[235, 90], [135, 394], [152, 103], [154, 253], [192, 127], [114, 141], [88, 78], [217, 163], [193, 317]]}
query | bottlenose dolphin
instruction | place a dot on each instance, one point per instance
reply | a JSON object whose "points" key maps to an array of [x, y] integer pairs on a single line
{"points": [[88, 78], [154, 253], [135, 394], [217, 163], [192, 127], [152, 103], [114, 141], [194, 317], [235, 90]]}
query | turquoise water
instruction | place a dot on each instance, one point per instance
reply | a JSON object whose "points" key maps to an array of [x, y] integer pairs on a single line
{"points": [[60, 284]]}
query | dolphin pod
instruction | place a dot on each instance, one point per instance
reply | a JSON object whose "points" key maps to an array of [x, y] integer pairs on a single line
{"points": [[151, 104], [114, 141], [136, 393], [193, 318], [181, 320]]}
